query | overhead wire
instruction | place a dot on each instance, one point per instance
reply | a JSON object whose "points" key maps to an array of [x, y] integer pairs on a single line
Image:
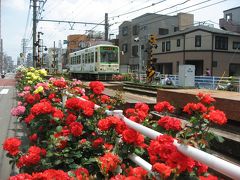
{"points": [[203, 2], [27, 22], [130, 11], [153, 4]]}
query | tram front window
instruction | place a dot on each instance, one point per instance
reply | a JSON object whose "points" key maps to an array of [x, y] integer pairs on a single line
{"points": [[109, 57]]}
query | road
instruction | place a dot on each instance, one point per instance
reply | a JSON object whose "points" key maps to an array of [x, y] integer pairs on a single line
{"points": [[8, 125]]}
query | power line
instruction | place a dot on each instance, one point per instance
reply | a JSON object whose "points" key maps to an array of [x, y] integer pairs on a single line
{"points": [[153, 4], [29, 9], [131, 11], [174, 11]]}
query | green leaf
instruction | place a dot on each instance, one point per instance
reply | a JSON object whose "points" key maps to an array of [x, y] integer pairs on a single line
{"points": [[69, 161], [193, 120], [59, 128], [219, 138], [71, 173], [57, 162], [49, 154], [139, 151], [90, 161], [73, 166]]}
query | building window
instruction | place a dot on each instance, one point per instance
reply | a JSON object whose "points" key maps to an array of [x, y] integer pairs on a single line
{"points": [[124, 48], [135, 30], [178, 42], [125, 31], [176, 28], [198, 40], [168, 46], [229, 17], [236, 45], [135, 51], [163, 31], [163, 46], [221, 43], [177, 66], [214, 64], [234, 69]]}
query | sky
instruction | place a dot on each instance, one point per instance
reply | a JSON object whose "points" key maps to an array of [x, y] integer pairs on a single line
{"points": [[16, 21]]}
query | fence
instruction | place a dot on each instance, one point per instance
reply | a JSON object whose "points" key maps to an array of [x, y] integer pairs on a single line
{"points": [[220, 165], [201, 82]]}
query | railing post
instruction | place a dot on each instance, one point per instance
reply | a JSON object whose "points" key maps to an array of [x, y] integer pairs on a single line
{"points": [[239, 84], [213, 82], [64, 98]]}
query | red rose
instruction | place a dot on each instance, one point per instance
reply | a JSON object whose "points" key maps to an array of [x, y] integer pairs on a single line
{"points": [[33, 137], [57, 113], [129, 136], [104, 124], [162, 169], [76, 128], [97, 142], [12, 145], [109, 162], [70, 118]]}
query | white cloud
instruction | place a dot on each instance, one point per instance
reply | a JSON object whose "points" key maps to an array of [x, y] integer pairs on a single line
{"points": [[18, 5]]}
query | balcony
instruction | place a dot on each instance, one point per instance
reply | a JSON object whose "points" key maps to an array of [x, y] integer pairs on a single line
{"points": [[229, 25]]}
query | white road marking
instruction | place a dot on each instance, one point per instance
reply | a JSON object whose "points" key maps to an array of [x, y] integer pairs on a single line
{"points": [[4, 91]]}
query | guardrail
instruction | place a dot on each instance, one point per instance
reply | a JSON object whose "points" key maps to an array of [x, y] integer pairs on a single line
{"points": [[201, 82], [219, 165]]}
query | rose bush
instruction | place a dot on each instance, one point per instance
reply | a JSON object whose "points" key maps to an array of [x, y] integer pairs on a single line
{"points": [[69, 138]]}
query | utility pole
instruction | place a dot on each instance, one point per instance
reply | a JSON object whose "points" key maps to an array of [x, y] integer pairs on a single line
{"points": [[34, 32], [38, 54], [1, 42], [106, 26], [54, 57], [38, 44], [59, 57]]}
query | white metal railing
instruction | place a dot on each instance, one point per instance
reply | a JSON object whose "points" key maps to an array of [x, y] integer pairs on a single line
{"points": [[220, 165]]}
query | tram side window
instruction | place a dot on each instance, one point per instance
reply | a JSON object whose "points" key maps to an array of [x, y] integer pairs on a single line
{"points": [[96, 57], [83, 58], [74, 58], [86, 58], [92, 57], [89, 58]]}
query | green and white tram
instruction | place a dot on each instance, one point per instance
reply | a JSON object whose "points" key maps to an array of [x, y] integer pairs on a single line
{"points": [[95, 62]]}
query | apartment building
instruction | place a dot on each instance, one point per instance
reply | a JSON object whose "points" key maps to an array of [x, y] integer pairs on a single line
{"points": [[202, 46], [231, 21], [134, 36]]}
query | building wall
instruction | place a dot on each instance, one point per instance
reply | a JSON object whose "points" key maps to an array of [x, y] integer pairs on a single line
{"points": [[235, 15], [185, 20], [74, 40], [223, 61], [125, 39], [173, 58], [206, 40], [148, 24], [218, 61]]}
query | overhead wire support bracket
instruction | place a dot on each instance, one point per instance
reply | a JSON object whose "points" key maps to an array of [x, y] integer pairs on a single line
{"points": [[73, 22]]}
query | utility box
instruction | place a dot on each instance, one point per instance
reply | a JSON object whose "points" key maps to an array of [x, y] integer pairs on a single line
{"points": [[186, 77]]}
